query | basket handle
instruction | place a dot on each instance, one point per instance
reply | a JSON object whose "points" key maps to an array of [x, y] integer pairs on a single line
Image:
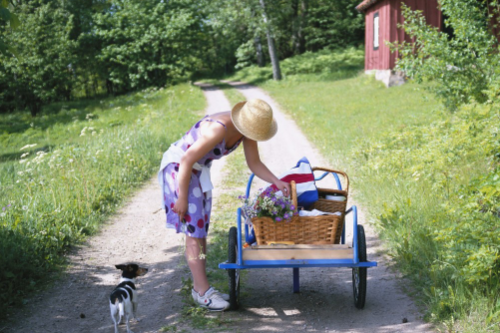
{"points": [[337, 172], [293, 190]]}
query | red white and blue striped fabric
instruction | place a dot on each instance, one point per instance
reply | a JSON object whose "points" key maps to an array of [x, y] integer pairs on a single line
{"points": [[307, 192]]}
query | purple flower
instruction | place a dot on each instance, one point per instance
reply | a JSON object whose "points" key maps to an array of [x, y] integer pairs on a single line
{"points": [[286, 216], [279, 219], [3, 208], [8, 205]]}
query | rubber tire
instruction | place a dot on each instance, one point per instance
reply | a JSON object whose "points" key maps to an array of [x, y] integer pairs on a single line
{"points": [[359, 273], [234, 274]]}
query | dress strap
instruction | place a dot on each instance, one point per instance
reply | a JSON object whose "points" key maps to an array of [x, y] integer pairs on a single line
{"points": [[214, 120]]}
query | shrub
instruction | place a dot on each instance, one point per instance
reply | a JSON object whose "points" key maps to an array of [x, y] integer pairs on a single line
{"points": [[464, 66]]}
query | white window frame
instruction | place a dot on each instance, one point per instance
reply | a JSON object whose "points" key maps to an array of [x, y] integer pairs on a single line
{"points": [[376, 31]]}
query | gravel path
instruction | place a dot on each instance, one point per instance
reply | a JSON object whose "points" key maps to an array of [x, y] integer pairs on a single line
{"points": [[78, 302]]}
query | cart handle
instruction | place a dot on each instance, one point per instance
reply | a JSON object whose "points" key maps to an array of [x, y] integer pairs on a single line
{"points": [[343, 174]]}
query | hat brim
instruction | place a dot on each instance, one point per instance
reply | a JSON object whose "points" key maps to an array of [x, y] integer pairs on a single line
{"points": [[249, 132]]}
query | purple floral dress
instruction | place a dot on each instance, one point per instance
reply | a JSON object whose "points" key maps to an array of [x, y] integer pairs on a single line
{"points": [[197, 219]]}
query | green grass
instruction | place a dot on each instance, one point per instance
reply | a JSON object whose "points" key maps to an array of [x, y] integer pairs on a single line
{"points": [[62, 173], [427, 178]]}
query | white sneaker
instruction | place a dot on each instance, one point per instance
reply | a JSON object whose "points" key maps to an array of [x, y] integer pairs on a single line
{"points": [[212, 300], [224, 296]]}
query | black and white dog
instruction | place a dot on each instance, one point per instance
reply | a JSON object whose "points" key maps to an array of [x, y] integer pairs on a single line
{"points": [[123, 299]]}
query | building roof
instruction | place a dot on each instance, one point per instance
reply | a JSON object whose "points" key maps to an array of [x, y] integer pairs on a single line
{"points": [[366, 4]]}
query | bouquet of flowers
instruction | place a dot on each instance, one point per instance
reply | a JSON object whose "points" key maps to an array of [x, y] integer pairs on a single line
{"points": [[268, 204]]}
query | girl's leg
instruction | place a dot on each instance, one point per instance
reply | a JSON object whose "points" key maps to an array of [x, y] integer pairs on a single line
{"points": [[195, 256]]}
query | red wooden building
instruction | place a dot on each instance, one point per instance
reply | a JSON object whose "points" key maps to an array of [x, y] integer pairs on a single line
{"points": [[382, 20]]}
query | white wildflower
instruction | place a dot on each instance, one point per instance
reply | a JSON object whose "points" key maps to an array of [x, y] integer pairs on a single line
{"points": [[25, 154], [70, 160], [28, 146]]}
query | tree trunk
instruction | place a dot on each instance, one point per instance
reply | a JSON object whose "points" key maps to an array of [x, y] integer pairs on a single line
{"points": [[258, 48], [272, 48], [109, 87], [300, 40], [35, 105]]}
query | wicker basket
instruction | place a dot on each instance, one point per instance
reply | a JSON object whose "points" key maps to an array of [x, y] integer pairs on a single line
{"points": [[332, 206], [325, 229]]}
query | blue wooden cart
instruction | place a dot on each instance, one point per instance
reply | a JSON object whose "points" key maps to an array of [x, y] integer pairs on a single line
{"points": [[298, 256]]}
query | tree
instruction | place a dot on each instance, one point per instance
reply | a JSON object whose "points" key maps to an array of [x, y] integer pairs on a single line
{"points": [[6, 16], [42, 73], [148, 43], [333, 24]]}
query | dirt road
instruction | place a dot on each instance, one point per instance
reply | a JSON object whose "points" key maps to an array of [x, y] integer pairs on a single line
{"points": [[78, 302]]}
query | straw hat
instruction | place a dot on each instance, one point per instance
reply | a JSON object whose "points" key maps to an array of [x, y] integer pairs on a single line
{"points": [[254, 119]]}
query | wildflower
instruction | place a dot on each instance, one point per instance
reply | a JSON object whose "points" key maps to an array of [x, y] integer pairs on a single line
{"points": [[25, 207], [268, 204], [2, 214], [3, 208], [28, 146]]}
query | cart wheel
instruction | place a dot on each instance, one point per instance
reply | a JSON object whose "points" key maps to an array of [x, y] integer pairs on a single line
{"points": [[234, 274], [359, 273]]}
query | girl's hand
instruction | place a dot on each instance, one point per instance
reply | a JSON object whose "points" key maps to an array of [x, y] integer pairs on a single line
{"points": [[284, 187], [181, 207]]}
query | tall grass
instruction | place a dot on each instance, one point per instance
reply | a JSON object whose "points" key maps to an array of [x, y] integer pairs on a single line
{"points": [[325, 65], [63, 173], [426, 177]]}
